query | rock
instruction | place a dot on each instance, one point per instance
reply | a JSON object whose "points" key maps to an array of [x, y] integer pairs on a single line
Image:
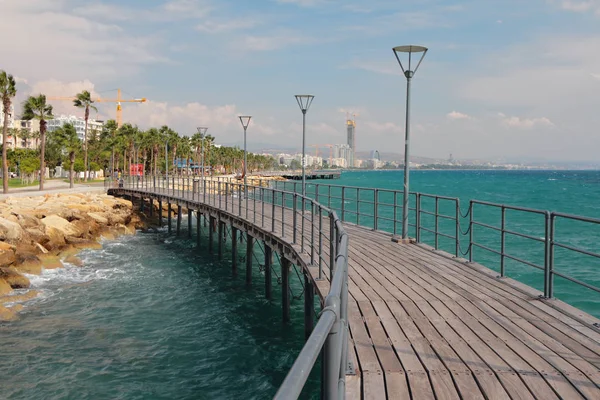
{"points": [[37, 235], [74, 260], [7, 257], [26, 220], [7, 314], [4, 287], [10, 230], [41, 248], [62, 225], [29, 264], [99, 218], [14, 278], [50, 262], [56, 239]]}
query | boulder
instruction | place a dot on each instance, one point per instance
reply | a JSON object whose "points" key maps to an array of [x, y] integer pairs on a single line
{"points": [[50, 262], [10, 230], [62, 225], [56, 239], [7, 257], [14, 278], [74, 260], [4, 287], [29, 264], [99, 218], [26, 219]]}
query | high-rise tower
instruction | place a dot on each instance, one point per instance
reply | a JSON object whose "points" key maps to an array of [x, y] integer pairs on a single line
{"points": [[351, 129]]}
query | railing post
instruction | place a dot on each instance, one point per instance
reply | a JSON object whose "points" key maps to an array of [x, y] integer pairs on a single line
{"points": [[312, 232], [332, 350], [273, 212], [262, 200], [358, 206], [396, 213], [282, 214], [549, 256], [285, 288], [294, 216], [457, 228], [332, 246], [437, 211], [471, 226], [503, 239], [417, 216], [343, 201], [302, 225], [375, 208], [320, 242]]}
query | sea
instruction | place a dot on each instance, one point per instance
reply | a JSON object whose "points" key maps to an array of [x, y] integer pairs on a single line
{"points": [[153, 316]]}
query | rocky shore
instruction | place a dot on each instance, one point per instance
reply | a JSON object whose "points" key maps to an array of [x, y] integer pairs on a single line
{"points": [[42, 232]]}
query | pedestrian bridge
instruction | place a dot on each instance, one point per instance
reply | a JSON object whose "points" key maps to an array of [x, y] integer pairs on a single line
{"points": [[398, 321]]}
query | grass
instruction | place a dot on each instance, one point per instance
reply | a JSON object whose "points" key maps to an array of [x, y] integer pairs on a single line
{"points": [[16, 183], [82, 181]]}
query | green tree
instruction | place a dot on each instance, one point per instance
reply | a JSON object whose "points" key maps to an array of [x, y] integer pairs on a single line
{"points": [[84, 100], [35, 107], [8, 90], [66, 136]]}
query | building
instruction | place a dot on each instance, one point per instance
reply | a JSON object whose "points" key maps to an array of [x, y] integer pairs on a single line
{"points": [[344, 151], [351, 131], [77, 122], [32, 129], [11, 113]]}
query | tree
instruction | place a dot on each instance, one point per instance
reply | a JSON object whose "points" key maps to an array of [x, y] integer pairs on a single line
{"points": [[8, 90], [37, 108], [66, 136], [84, 100]]}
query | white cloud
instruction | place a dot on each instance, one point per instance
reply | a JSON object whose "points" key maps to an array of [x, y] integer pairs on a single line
{"points": [[303, 3], [272, 42], [455, 115], [525, 123], [227, 25]]}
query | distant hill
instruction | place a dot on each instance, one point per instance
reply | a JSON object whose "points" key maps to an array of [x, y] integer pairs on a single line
{"points": [[391, 156]]}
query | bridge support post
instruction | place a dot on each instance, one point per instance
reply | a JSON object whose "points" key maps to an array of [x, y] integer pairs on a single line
{"points": [[142, 203], [189, 222], [151, 201], [249, 255], [234, 234], [210, 235], [198, 228], [169, 212], [220, 239], [285, 288], [268, 271], [178, 219], [160, 212], [309, 303]]}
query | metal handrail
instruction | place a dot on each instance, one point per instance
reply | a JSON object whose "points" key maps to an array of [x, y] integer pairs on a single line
{"points": [[330, 334]]}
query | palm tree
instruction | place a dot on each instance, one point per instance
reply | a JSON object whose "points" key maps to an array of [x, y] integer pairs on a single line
{"points": [[84, 100], [25, 135], [67, 137], [37, 108], [35, 135], [8, 90]]}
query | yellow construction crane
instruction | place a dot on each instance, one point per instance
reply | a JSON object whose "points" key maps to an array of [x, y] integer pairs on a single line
{"points": [[316, 146], [118, 100]]}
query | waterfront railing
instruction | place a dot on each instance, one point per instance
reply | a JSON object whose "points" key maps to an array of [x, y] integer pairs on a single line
{"points": [[520, 235], [302, 221]]}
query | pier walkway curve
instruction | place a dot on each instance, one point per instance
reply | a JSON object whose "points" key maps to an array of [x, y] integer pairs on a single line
{"points": [[401, 321]]}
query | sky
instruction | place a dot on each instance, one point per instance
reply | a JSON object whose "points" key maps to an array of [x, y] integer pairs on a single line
{"points": [[510, 79]]}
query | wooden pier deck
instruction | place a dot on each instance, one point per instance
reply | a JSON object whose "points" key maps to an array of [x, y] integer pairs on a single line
{"points": [[425, 326]]}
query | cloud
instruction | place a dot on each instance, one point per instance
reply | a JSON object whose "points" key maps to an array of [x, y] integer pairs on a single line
{"points": [[303, 3], [580, 6], [455, 115], [227, 25], [273, 41], [525, 123]]}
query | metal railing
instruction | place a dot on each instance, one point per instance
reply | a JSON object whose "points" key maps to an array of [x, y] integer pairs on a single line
{"points": [[439, 221], [300, 221]]}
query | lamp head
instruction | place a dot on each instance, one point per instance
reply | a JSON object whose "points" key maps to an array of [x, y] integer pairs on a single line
{"points": [[202, 130], [410, 49], [245, 120], [304, 101]]}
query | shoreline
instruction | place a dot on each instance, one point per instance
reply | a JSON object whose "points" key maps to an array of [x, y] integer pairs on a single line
{"points": [[40, 232]]}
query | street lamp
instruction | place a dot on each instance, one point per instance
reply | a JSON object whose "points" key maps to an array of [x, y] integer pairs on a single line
{"points": [[202, 131], [304, 102], [245, 120], [408, 73]]}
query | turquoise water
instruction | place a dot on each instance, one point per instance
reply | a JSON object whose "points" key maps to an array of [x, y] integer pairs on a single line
{"points": [[147, 317], [573, 192]]}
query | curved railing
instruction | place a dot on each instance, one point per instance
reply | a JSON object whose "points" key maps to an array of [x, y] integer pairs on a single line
{"points": [[303, 222]]}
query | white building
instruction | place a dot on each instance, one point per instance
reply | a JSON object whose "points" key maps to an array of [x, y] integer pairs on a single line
{"points": [[343, 151], [11, 113], [77, 122]]}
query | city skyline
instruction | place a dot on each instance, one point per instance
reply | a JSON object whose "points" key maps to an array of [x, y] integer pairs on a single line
{"points": [[502, 78]]}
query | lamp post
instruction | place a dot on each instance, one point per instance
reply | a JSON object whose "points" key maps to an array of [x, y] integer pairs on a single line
{"points": [[408, 73], [304, 102], [245, 120], [202, 131]]}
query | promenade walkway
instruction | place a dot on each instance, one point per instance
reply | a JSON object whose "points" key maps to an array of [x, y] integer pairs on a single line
{"points": [[426, 326]]}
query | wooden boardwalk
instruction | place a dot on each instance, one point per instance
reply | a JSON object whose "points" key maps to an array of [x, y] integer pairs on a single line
{"points": [[426, 326]]}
